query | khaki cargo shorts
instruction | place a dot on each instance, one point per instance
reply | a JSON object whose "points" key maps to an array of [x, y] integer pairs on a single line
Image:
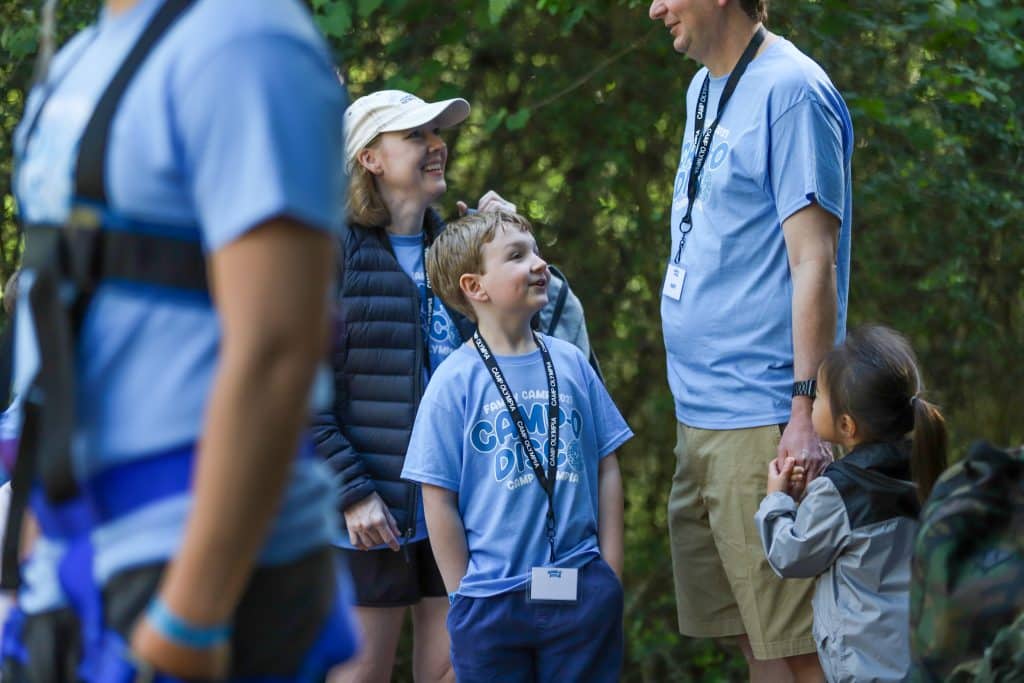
{"points": [[724, 586]]}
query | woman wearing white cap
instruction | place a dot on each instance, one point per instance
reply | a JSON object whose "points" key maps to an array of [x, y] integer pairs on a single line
{"points": [[393, 333]]}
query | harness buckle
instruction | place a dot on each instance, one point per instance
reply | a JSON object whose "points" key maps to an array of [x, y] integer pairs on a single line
{"points": [[80, 246]]}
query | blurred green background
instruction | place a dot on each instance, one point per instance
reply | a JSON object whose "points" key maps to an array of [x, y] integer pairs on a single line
{"points": [[578, 116]]}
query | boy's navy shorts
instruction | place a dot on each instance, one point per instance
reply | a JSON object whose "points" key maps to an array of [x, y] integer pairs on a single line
{"points": [[385, 578], [504, 638]]}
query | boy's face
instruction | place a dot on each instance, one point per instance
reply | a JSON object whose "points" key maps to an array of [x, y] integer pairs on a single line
{"points": [[515, 277]]}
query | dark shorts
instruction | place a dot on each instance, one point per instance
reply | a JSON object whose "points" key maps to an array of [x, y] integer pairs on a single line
{"points": [[305, 599], [50, 648], [505, 639], [384, 578]]}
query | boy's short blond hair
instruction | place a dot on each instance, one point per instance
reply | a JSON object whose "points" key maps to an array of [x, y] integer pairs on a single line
{"points": [[459, 250]]}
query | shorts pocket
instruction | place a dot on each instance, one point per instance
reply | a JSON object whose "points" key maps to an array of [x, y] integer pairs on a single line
{"points": [[457, 605]]}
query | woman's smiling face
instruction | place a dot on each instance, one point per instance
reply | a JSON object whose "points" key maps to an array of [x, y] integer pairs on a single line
{"points": [[412, 163]]}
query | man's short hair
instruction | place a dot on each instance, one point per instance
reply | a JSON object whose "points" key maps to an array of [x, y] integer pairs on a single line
{"points": [[755, 9], [459, 250]]}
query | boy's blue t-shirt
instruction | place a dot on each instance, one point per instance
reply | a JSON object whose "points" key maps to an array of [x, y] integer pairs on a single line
{"points": [[214, 136], [442, 338], [464, 440]]}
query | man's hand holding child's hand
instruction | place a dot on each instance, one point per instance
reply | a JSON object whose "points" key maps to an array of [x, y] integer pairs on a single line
{"points": [[785, 477]]}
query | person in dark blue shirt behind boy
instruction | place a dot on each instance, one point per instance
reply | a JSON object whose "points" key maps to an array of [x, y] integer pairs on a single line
{"points": [[514, 444]]}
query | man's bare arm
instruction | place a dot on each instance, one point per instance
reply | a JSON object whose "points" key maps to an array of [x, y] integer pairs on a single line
{"points": [[811, 236], [270, 290]]}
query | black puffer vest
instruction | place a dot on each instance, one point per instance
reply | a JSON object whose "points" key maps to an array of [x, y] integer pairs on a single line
{"points": [[377, 362]]}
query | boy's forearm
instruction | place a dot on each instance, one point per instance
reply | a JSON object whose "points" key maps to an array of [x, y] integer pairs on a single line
{"points": [[447, 534], [610, 512]]}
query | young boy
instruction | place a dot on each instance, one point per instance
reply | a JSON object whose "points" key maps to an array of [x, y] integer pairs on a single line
{"points": [[530, 550]]}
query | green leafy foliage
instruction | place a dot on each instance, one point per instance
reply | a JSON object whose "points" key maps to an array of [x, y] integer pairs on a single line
{"points": [[578, 116]]}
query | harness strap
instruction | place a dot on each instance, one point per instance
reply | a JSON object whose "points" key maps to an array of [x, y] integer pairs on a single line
{"points": [[89, 256], [92, 151], [81, 254]]}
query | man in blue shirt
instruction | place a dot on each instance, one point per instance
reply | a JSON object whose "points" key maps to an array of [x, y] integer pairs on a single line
{"points": [[755, 293], [227, 136]]}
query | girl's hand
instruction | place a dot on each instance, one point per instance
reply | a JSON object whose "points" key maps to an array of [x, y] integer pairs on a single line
{"points": [[785, 477]]}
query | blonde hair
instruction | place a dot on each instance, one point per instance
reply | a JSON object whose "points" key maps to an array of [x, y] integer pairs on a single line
{"points": [[365, 205], [459, 250]]}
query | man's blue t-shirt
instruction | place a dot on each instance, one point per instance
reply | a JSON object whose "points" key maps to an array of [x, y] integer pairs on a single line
{"points": [[235, 118], [784, 141], [442, 338], [464, 440]]}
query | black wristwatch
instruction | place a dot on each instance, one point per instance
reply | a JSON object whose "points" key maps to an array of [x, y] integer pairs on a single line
{"points": [[807, 388]]}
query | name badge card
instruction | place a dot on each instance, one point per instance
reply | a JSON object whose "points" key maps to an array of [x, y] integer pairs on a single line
{"points": [[553, 584], [674, 282]]}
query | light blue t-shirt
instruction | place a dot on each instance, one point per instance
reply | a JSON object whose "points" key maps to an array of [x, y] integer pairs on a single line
{"points": [[784, 141], [438, 328], [464, 440], [235, 118]]}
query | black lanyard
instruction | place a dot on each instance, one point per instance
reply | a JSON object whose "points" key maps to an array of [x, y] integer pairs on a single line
{"points": [[546, 480], [702, 138]]}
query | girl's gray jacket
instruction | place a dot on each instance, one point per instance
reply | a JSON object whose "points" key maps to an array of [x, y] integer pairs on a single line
{"points": [[854, 530]]}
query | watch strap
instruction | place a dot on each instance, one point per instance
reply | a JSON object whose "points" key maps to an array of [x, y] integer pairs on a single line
{"points": [[807, 387]]}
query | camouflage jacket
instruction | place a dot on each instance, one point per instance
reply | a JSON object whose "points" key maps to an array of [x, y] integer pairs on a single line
{"points": [[968, 570]]}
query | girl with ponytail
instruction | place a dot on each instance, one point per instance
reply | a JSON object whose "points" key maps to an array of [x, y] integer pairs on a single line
{"points": [[854, 528]]}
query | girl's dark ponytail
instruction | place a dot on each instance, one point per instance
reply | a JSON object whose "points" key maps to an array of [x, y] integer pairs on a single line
{"points": [[928, 454], [873, 376]]}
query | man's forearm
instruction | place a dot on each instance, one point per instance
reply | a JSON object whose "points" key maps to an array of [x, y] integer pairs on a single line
{"points": [[812, 236], [447, 535], [814, 316], [270, 288], [243, 466]]}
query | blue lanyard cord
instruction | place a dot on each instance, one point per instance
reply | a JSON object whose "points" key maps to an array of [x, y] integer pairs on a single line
{"points": [[429, 295], [702, 138], [545, 479]]}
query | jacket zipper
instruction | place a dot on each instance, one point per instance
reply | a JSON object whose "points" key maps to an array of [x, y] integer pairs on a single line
{"points": [[413, 496], [418, 394]]}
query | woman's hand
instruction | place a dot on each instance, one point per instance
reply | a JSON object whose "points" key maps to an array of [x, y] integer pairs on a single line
{"points": [[210, 664], [370, 523], [491, 201]]}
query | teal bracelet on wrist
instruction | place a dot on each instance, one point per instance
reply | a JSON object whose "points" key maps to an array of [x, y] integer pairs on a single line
{"points": [[179, 631]]}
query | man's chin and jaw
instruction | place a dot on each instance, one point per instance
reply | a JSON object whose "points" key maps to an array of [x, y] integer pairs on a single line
{"points": [[681, 32]]}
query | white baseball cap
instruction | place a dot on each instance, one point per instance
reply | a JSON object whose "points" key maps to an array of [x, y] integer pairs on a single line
{"points": [[391, 110]]}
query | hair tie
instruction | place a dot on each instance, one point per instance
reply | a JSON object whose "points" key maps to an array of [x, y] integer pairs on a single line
{"points": [[914, 399]]}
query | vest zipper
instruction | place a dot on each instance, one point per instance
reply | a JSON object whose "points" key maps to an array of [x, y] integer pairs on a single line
{"points": [[410, 527]]}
